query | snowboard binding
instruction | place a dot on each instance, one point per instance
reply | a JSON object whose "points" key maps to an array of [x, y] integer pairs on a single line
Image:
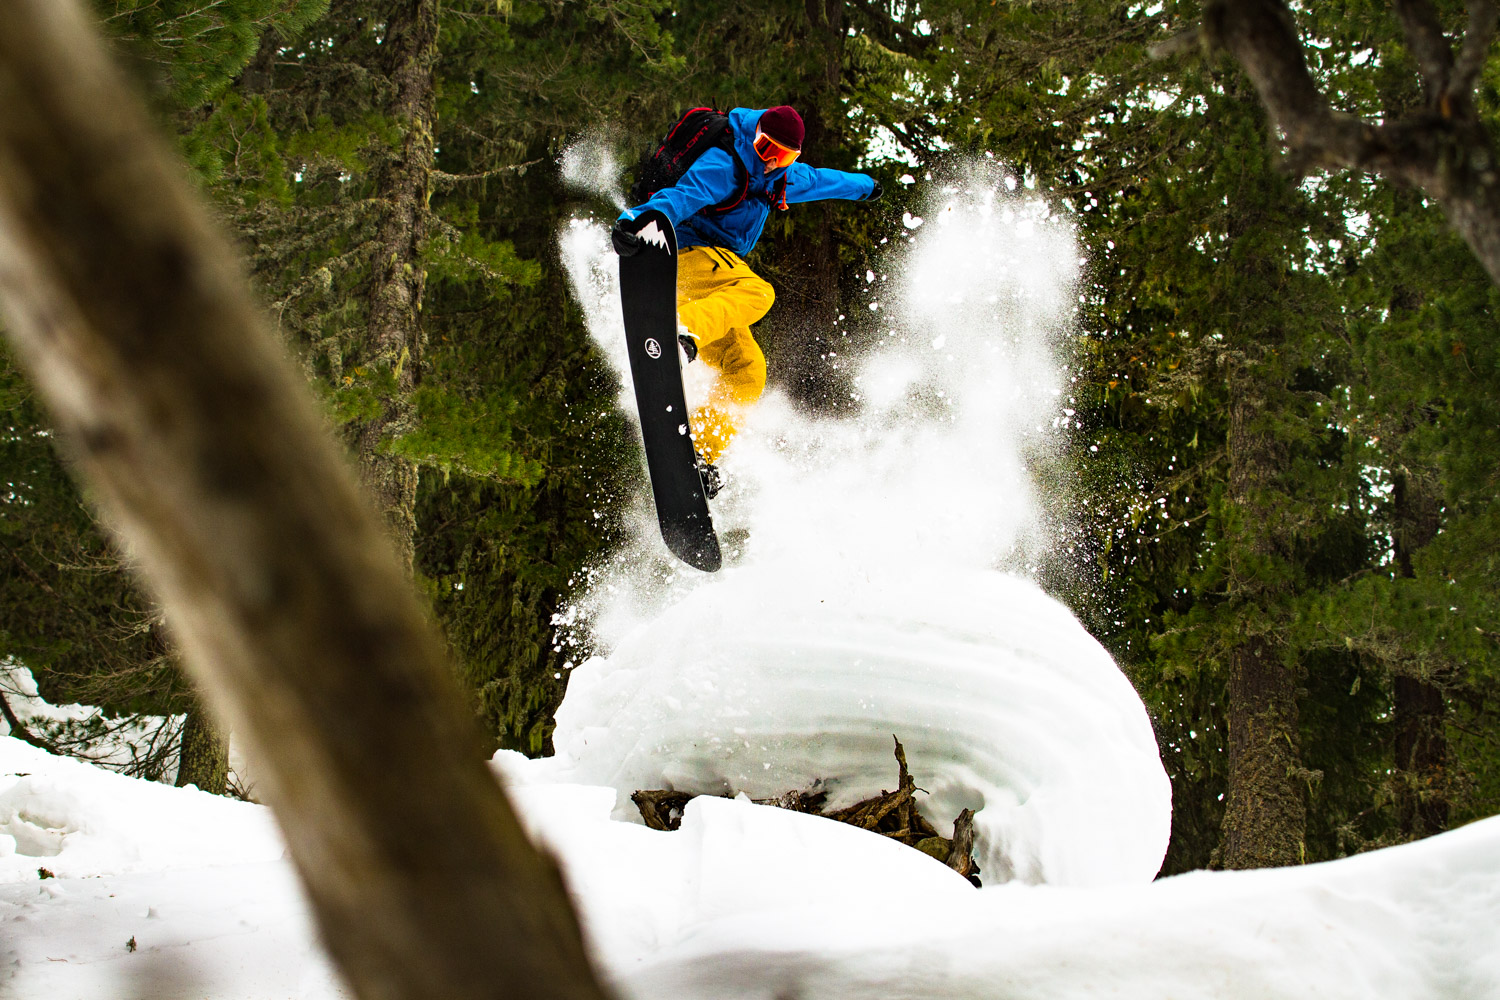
{"points": [[713, 479]]}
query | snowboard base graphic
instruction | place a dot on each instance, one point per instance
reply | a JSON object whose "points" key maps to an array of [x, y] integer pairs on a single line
{"points": [[648, 295]]}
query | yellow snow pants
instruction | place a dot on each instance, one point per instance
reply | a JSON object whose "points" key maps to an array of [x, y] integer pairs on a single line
{"points": [[718, 297]]}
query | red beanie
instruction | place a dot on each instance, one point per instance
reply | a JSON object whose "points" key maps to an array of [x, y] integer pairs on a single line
{"points": [[784, 125]]}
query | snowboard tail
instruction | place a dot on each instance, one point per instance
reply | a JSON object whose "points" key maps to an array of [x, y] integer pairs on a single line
{"points": [[648, 295]]}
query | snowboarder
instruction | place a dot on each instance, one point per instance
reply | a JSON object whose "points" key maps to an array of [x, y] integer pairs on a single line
{"points": [[719, 205]]}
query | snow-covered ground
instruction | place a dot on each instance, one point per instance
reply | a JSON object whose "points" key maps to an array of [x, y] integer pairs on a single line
{"points": [[176, 895], [872, 592]]}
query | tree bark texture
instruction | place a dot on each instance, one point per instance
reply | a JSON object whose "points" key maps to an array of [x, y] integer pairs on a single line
{"points": [[1419, 708], [295, 618], [1445, 149], [203, 760], [1422, 805], [1265, 808], [393, 341]]}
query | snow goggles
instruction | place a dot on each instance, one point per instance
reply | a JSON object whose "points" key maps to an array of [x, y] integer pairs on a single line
{"points": [[773, 152]]}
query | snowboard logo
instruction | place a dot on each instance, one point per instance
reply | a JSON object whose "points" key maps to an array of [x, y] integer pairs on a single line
{"points": [[653, 348], [652, 234]]}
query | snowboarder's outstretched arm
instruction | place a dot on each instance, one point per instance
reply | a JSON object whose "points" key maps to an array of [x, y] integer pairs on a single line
{"points": [[806, 183], [708, 181]]}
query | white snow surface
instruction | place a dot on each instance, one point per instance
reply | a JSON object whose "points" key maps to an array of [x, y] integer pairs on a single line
{"points": [[872, 593], [1003, 702], [745, 902]]}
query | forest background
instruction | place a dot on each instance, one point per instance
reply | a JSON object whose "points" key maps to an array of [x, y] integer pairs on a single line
{"points": [[1277, 507]]}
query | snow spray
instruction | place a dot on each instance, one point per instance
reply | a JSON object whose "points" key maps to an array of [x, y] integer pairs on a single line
{"points": [[588, 164], [864, 593]]}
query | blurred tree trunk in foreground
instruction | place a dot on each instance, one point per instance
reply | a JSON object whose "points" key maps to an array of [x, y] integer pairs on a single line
{"points": [[291, 610]]}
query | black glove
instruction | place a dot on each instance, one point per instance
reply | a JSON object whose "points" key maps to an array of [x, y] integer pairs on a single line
{"points": [[875, 194], [627, 244]]}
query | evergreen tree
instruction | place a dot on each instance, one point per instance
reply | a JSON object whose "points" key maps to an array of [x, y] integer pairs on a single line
{"points": [[68, 610], [70, 613]]}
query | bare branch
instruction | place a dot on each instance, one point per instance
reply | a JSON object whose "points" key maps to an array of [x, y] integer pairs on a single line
{"points": [[442, 179], [1428, 45], [18, 728], [892, 31], [1262, 36], [1453, 157], [1182, 43], [1483, 16]]}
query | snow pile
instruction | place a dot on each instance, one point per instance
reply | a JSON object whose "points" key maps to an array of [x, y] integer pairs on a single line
{"points": [[74, 819], [120, 887], [862, 601], [749, 902], [1418, 922], [1004, 704], [642, 891]]}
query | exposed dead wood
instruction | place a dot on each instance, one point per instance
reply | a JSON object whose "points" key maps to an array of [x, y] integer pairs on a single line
{"points": [[802, 802], [961, 855], [890, 814], [661, 809]]}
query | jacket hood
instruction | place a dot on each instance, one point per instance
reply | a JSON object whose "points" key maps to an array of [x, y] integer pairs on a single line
{"points": [[743, 121]]}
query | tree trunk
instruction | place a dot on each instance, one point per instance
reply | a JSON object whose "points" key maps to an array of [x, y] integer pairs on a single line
{"points": [[260, 75], [204, 757], [296, 620], [393, 339], [1265, 810], [1421, 757], [1419, 708]]}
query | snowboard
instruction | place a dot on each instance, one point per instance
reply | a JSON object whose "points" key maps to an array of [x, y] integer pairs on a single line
{"points": [[648, 295]]}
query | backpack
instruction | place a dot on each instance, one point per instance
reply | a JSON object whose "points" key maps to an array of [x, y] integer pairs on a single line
{"points": [[695, 133]]}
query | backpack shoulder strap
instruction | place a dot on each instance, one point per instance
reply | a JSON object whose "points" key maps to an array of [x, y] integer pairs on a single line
{"points": [[741, 175]]}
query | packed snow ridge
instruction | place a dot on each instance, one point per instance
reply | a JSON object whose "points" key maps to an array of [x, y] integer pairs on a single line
{"points": [[862, 601]]}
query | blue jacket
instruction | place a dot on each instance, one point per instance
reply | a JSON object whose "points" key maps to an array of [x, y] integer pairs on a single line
{"points": [[711, 179]]}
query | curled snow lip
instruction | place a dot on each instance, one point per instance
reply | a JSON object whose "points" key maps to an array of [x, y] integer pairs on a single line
{"points": [[1004, 702]]}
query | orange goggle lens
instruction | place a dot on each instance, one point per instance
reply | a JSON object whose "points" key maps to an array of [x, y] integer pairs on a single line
{"points": [[773, 152]]}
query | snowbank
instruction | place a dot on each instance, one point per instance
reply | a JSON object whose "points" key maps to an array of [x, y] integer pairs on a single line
{"points": [[1418, 922], [745, 902], [1004, 703], [641, 891], [75, 819]]}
